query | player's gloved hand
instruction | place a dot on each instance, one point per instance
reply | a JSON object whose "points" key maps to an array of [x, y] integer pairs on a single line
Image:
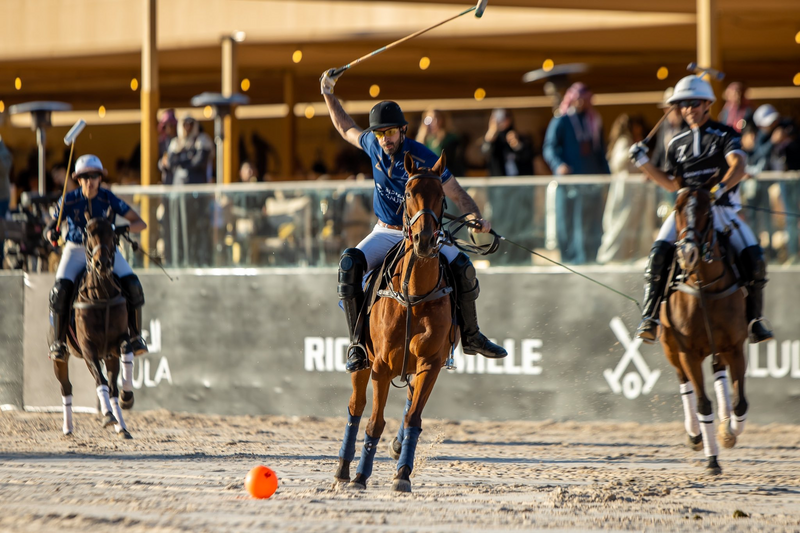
{"points": [[638, 154], [328, 80], [121, 230], [718, 192]]}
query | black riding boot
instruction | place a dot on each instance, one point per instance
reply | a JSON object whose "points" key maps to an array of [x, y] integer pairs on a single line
{"points": [[60, 303], [755, 272], [134, 294], [467, 288], [655, 277], [352, 267]]}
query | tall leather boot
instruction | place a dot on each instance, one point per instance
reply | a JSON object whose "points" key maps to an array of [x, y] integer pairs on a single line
{"points": [[352, 266], [655, 276], [472, 340], [755, 272], [60, 303], [134, 294]]}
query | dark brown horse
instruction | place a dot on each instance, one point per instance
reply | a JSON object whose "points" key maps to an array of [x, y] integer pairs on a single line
{"points": [[101, 328], [705, 315], [419, 288]]}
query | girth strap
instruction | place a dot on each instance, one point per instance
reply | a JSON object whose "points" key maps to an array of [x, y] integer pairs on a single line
{"points": [[691, 291], [100, 304]]}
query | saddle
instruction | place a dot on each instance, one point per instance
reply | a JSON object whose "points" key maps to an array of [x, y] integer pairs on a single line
{"points": [[677, 280], [74, 304]]}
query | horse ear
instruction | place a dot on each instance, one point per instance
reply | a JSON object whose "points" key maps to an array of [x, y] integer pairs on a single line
{"points": [[411, 167], [110, 213], [440, 165]]}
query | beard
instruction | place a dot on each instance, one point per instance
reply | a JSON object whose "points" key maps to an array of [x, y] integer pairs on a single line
{"points": [[394, 148]]}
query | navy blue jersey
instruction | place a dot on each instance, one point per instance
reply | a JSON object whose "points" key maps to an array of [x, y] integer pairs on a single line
{"points": [[76, 205], [390, 186]]}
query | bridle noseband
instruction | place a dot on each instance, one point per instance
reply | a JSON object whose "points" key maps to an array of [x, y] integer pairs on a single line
{"points": [[408, 222], [689, 234]]}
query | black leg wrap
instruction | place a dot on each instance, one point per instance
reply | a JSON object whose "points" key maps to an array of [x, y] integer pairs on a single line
{"points": [[754, 270], [60, 303], [352, 267], [467, 291], [134, 294], [655, 276]]}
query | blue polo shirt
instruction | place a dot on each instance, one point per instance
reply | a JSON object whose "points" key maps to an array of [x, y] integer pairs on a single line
{"points": [[390, 183], [76, 205]]}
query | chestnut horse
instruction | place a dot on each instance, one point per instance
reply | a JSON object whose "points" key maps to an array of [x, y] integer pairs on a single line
{"points": [[427, 334], [101, 329], [705, 315]]}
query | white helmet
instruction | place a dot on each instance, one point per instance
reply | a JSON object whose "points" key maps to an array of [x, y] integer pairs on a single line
{"points": [[692, 87]]}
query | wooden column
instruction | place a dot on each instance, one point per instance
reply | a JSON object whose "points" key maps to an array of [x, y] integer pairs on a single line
{"points": [[708, 52], [289, 128], [230, 80], [149, 136]]}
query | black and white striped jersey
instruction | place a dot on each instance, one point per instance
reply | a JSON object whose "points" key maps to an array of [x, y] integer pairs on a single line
{"points": [[697, 155]]}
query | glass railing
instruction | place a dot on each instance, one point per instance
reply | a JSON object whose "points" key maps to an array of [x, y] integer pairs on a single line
{"points": [[579, 220]]}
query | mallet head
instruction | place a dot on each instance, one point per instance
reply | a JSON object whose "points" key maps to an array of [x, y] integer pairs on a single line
{"points": [[480, 8], [74, 131], [692, 67]]}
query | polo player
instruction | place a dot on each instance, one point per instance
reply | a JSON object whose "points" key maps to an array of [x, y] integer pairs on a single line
{"points": [[386, 143]]}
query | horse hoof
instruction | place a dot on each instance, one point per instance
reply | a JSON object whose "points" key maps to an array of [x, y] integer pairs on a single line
{"points": [[395, 447], [125, 435], [726, 437], [355, 485], [108, 420], [713, 468], [401, 485], [126, 399], [695, 443], [68, 434]]}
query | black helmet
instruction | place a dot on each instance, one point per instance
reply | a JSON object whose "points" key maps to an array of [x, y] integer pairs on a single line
{"points": [[386, 115]]}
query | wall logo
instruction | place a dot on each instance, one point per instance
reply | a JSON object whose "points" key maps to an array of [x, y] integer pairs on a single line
{"points": [[788, 364], [142, 374], [633, 383]]}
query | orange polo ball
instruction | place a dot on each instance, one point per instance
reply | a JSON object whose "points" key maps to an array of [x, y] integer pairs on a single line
{"points": [[261, 482]]}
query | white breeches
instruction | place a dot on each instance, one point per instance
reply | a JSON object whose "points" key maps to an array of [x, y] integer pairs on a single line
{"points": [[378, 243], [73, 262], [741, 235]]}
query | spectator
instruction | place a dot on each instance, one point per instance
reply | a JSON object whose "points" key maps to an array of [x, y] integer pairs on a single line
{"points": [[508, 153], [5, 182], [167, 131], [737, 111], [574, 144], [764, 158], [188, 154], [434, 132], [627, 224]]}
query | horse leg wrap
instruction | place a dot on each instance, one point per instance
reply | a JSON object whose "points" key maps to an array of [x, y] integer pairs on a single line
{"points": [[723, 394], [102, 395], [348, 449], [737, 424], [115, 409], [410, 439], [689, 401], [127, 371], [400, 432], [66, 401], [709, 438], [367, 455]]}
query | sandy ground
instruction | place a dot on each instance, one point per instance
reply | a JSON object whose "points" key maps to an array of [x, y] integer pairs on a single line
{"points": [[185, 473]]}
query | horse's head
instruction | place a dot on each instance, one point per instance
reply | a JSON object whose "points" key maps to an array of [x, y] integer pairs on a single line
{"points": [[693, 224], [424, 206], [100, 243]]}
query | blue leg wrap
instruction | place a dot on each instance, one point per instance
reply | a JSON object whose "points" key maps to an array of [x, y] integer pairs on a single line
{"points": [[410, 439], [400, 432], [348, 449], [367, 455]]}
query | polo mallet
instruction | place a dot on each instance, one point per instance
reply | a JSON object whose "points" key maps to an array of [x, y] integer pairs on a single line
{"points": [[69, 140], [479, 8], [658, 124], [692, 67]]}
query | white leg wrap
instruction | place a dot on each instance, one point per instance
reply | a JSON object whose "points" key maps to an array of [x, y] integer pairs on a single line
{"points": [[102, 394], [723, 394], [709, 438], [689, 401], [737, 424], [117, 411], [66, 401], [127, 372]]}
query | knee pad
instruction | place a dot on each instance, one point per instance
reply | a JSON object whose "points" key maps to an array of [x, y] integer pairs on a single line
{"points": [[465, 277], [61, 295], [132, 289], [660, 257], [352, 267]]}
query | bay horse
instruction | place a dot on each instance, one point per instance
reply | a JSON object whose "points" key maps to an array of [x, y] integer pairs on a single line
{"points": [[705, 315], [101, 329], [414, 318]]}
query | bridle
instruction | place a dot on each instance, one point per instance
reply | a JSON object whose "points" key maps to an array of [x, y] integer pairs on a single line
{"points": [[408, 222], [109, 252], [690, 235]]}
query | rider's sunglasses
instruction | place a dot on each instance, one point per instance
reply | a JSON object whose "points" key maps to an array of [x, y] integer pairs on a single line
{"points": [[90, 176], [384, 133], [690, 103]]}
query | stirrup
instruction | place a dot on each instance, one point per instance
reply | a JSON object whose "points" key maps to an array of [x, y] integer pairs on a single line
{"points": [[653, 323], [751, 326], [58, 352], [357, 358], [138, 346]]}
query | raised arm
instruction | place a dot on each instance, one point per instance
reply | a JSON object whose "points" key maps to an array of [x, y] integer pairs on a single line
{"points": [[466, 204], [343, 122]]}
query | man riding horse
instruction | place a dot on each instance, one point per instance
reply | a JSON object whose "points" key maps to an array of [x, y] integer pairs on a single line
{"points": [[386, 143], [79, 206], [697, 154]]}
